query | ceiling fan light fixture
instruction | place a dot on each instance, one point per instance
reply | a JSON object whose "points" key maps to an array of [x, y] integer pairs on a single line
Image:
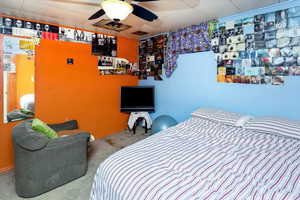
{"points": [[116, 9]]}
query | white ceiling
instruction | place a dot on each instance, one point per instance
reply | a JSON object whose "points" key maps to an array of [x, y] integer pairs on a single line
{"points": [[173, 14]]}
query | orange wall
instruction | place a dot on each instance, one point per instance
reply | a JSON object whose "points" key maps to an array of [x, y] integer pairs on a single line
{"points": [[128, 48], [12, 94], [65, 92]]}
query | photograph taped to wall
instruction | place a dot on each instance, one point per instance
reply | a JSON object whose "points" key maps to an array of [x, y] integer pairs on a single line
{"points": [[283, 42], [259, 18], [281, 19], [258, 27], [295, 41], [229, 25], [271, 44], [215, 49], [277, 80], [294, 71], [286, 52], [296, 51], [230, 71], [283, 33], [270, 35], [232, 47], [278, 61], [228, 63], [223, 48], [235, 55], [290, 61], [269, 21], [18, 23], [279, 71], [222, 70], [221, 78], [248, 29], [241, 47]]}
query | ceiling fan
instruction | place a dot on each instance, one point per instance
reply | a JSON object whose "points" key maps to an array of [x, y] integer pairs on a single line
{"points": [[118, 10]]}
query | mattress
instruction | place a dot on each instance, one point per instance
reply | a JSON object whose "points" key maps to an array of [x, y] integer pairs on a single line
{"points": [[200, 159]]}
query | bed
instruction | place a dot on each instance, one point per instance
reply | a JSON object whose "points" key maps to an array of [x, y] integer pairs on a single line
{"points": [[202, 159]]}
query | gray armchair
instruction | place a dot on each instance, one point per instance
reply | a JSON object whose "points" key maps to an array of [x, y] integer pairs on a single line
{"points": [[42, 164]]}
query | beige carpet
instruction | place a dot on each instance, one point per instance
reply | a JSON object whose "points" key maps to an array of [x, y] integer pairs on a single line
{"points": [[78, 189]]}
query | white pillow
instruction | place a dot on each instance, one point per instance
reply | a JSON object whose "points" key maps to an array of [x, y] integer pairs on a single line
{"points": [[279, 126], [222, 116]]}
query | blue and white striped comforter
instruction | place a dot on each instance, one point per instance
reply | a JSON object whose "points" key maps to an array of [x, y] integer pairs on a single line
{"points": [[200, 159]]}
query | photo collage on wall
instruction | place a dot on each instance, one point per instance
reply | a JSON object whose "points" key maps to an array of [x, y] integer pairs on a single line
{"points": [[152, 57], [18, 27], [258, 50], [104, 45], [191, 39]]}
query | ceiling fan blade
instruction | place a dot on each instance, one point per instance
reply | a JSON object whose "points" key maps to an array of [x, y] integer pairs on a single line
{"points": [[143, 13], [97, 14], [77, 2]]}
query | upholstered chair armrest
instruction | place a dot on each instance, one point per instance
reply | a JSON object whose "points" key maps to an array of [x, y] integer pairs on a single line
{"points": [[68, 140], [27, 138], [69, 125]]}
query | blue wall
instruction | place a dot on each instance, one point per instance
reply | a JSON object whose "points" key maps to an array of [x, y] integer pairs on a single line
{"points": [[194, 85]]}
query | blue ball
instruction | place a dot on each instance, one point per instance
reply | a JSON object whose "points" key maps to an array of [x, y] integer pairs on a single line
{"points": [[163, 122]]}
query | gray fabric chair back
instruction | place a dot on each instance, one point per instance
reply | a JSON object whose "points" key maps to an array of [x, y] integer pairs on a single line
{"points": [[26, 137], [42, 164]]}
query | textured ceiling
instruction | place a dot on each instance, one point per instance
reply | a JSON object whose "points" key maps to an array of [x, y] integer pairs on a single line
{"points": [[173, 14]]}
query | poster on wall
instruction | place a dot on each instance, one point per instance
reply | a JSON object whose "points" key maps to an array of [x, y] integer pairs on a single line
{"points": [[152, 57], [115, 66], [262, 49], [18, 27], [104, 45], [75, 35]]}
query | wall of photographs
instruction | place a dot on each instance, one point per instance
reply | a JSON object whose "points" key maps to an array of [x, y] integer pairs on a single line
{"points": [[18, 27], [191, 39], [152, 56], [258, 50], [104, 45], [115, 66]]}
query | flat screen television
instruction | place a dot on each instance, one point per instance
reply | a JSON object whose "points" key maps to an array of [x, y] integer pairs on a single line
{"points": [[137, 99]]}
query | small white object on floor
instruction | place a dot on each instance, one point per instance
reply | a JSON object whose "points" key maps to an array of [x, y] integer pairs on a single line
{"points": [[135, 115], [92, 138]]}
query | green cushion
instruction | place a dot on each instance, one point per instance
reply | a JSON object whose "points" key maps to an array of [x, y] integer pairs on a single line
{"points": [[43, 128]]}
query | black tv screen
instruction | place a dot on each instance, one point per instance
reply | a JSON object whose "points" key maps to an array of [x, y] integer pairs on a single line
{"points": [[137, 99]]}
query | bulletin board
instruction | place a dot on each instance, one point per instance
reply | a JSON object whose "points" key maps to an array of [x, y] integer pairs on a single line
{"points": [[262, 49]]}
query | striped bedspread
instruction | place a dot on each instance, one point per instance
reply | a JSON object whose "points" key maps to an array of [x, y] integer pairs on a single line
{"points": [[198, 160]]}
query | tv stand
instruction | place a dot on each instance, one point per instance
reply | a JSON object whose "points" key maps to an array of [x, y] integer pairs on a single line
{"points": [[134, 119]]}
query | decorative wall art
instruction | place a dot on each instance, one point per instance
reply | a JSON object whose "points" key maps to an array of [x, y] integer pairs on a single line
{"points": [[258, 50], [104, 45], [18, 27], [115, 66], [152, 56], [188, 40]]}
